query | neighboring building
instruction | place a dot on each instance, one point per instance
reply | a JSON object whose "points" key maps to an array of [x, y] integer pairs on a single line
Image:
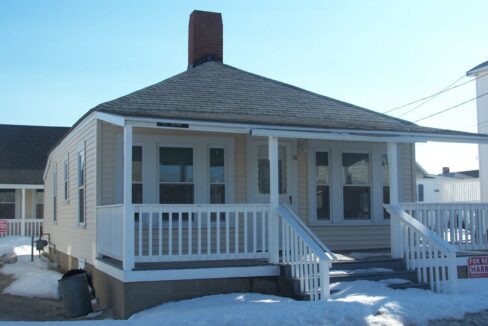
{"points": [[448, 187], [179, 189], [480, 72], [23, 159]]}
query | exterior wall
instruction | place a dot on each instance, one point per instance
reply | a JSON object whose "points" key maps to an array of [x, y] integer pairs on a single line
{"points": [[67, 236], [406, 170], [482, 114], [443, 190]]}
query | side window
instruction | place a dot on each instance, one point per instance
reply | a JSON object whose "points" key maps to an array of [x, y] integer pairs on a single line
{"points": [[66, 179], [322, 186], [420, 192], [217, 175], [137, 194], [356, 186], [81, 186]]}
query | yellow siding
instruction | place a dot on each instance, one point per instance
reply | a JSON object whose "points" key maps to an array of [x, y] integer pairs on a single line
{"points": [[67, 236]]}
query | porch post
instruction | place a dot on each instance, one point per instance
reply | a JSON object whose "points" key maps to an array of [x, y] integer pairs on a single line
{"points": [[273, 199], [22, 225], [128, 240], [395, 230]]}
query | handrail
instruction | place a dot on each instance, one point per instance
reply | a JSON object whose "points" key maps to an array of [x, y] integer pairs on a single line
{"points": [[395, 210], [313, 241]]}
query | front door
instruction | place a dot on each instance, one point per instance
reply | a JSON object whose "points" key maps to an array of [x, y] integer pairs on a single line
{"points": [[258, 167]]}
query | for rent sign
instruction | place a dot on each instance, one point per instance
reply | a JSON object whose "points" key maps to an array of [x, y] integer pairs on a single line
{"points": [[3, 227], [478, 267]]}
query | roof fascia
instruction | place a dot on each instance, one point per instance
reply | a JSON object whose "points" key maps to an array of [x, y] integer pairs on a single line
{"points": [[21, 186], [110, 118], [311, 133]]}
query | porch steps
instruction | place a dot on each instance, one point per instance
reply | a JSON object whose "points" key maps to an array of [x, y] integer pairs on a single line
{"points": [[391, 271]]}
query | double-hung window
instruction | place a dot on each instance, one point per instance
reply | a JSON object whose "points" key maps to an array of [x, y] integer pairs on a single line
{"points": [[176, 175], [66, 179], [55, 193], [39, 203], [322, 186], [137, 192], [356, 186], [81, 186], [217, 175], [7, 203]]}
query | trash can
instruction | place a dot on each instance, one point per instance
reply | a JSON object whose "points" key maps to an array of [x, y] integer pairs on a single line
{"points": [[73, 287]]}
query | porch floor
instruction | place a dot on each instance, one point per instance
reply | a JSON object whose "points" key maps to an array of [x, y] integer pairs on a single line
{"points": [[188, 264]]}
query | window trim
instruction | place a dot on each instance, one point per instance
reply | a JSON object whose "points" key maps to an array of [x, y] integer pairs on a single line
{"points": [[82, 187], [66, 179], [370, 183]]}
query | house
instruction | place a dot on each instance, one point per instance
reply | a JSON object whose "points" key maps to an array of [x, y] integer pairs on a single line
{"points": [[218, 180], [480, 73], [448, 187], [24, 154]]}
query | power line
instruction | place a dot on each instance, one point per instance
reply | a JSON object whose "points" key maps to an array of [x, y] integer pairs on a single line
{"points": [[451, 108], [428, 98]]}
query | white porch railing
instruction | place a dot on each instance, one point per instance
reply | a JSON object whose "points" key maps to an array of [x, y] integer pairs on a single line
{"points": [[22, 227], [464, 225], [424, 251], [308, 257], [200, 232], [110, 222]]}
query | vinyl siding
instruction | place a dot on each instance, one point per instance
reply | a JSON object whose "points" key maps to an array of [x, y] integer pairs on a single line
{"points": [[66, 235]]}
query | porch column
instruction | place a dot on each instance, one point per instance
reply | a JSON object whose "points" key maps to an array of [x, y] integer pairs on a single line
{"points": [[395, 230], [274, 199], [22, 225], [128, 227]]}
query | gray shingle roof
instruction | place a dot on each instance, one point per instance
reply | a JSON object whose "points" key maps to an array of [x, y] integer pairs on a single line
{"points": [[478, 68], [24, 150], [217, 92]]}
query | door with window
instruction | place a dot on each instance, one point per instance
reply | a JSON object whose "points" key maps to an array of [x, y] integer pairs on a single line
{"points": [[259, 179]]}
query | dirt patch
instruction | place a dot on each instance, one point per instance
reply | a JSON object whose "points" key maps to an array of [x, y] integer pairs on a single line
{"points": [[17, 308]]}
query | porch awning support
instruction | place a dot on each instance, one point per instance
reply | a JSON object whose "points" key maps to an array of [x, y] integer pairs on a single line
{"points": [[273, 198], [395, 230], [128, 227]]}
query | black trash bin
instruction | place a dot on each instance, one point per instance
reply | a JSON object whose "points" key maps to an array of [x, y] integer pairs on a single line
{"points": [[73, 287]]}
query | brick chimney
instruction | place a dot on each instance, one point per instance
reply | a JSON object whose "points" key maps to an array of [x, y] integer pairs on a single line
{"points": [[205, 38], [445, 170]]}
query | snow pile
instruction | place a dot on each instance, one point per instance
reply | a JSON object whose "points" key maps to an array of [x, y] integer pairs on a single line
{"points": [[340, 272], [32, 279]]}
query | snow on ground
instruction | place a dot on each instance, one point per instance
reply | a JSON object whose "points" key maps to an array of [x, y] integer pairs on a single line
{"points": [[32, 279], [372, 270]]}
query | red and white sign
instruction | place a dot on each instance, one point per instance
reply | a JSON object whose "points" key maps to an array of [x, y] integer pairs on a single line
{"points": [[3, 227], [478, 267]]}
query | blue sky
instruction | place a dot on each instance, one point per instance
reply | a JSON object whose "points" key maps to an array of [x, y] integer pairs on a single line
{"points": [[61, 58]]}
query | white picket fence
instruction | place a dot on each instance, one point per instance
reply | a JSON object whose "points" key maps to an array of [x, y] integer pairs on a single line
{"points": [[464, 225], [19, 227], [424, 251]]}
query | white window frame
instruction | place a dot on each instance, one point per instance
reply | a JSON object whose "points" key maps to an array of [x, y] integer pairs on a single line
{"points": [[66, 179], [81, 183], [313, 220], [226, 171], [55, 194]]}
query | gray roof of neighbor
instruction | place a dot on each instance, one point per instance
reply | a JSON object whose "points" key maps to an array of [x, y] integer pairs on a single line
{"points": [[24, 150], [217, 92], [478, 68]]}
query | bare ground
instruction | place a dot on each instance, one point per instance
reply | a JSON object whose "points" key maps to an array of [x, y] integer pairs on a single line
{"points": [[17, 308]]}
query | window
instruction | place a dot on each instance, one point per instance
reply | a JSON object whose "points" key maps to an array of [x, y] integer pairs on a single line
{"points": [[322, 185], [81, 187], [39, 203], [263, 170], [356, 186], [137, 174], [7, 203], [176, 175], [217, 175], [385, 168], [420, 192], [55, 193], [66, 179]]}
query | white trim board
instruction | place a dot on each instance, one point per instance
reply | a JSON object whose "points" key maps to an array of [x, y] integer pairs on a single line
{"points": [[186, 274], [20, 186]]}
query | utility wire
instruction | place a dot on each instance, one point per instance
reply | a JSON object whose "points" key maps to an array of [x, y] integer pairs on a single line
{"points": [[451, 108], [448, 88]]}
